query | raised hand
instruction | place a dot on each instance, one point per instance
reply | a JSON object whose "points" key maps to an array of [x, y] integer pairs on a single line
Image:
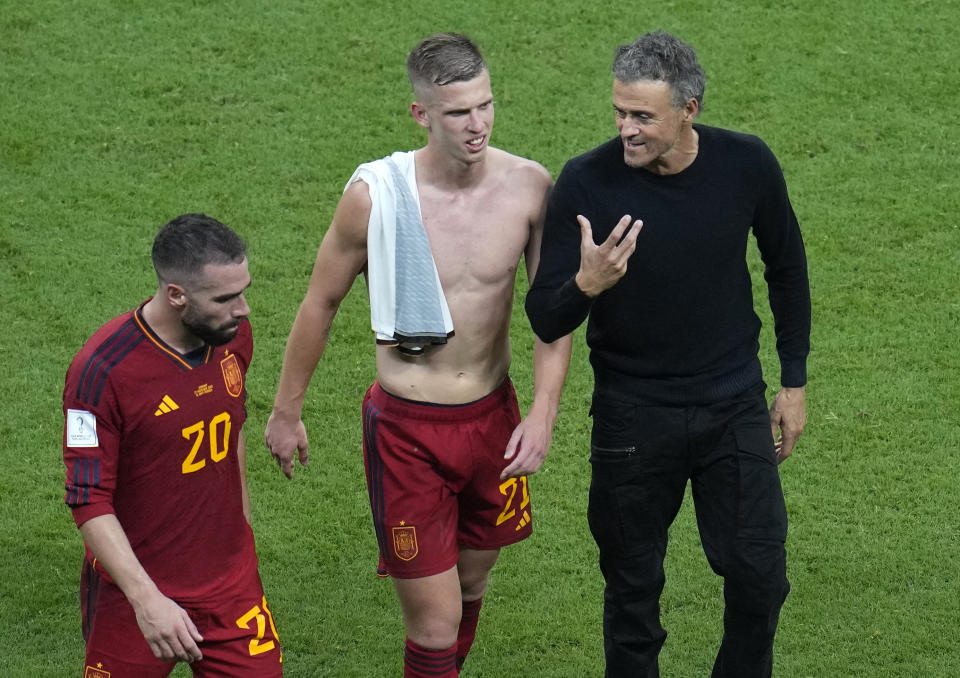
{"points": [[602, 266]]}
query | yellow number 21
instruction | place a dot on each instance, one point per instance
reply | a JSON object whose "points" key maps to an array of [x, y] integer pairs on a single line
{"points": [[509, 489], [257, 645]]}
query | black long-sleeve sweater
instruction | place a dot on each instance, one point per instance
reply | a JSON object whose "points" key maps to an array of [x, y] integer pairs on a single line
{"points": [[679, 327]]}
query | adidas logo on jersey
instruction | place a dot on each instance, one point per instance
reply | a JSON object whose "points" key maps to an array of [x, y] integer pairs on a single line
{"points": [[166, 405]]}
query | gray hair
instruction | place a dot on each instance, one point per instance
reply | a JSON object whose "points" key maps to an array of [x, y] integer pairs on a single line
{"points": [[662, 56], [444, 58]]}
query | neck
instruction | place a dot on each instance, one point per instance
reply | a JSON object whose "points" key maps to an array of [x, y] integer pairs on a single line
{"points": [[681, 156], [165, 322], [439, 169]]}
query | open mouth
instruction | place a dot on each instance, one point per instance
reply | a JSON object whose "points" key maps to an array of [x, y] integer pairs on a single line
{"points": [[476, 143]]}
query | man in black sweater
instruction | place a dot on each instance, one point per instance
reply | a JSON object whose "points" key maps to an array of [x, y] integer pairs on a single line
{"points": [[678, 389]]}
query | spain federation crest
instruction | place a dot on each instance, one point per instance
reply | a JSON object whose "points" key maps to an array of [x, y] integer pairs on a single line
{"points": [[98, 672], [232, 376], [405, 542]]}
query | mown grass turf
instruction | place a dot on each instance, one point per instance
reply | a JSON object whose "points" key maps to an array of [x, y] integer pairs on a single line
{"points": [[116, 116]]}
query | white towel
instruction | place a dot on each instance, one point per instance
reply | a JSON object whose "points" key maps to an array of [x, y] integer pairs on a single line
{"points": [[407, 306]]}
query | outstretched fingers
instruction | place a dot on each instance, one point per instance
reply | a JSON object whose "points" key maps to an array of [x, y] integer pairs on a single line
{"points": [[586, 231], [602, 266], [623, 237], [621, 243], [618, 236]]}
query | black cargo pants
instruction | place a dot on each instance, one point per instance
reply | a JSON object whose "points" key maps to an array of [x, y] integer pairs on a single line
{"points": [[642, 456]]}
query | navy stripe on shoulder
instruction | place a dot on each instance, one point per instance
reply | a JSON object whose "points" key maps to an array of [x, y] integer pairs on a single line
{"points": [[104, 359]]}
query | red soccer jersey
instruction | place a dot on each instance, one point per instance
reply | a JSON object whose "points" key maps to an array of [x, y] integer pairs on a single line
{"points": [[153, 440]]}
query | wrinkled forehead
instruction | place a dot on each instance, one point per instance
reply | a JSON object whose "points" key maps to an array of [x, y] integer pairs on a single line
{"points": [[642, 94]]}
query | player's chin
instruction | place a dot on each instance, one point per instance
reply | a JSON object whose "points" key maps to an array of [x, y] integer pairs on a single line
{"points": [[636, 158], [224, 335]]}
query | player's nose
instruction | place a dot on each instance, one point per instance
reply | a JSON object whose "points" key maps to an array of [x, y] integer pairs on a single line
{"points": [[242, 309], [476, 122]]}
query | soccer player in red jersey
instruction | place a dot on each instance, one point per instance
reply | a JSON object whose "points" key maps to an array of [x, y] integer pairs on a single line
{"points": [[155, 472], [446, 452]]}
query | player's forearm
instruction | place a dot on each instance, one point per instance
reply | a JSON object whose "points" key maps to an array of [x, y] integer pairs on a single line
{"points": [[305, 346], [556, 310], [108, 542], [550, 363], [242, 464]]}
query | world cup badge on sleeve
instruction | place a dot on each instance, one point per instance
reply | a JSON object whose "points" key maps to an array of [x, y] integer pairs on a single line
{"points": [[405, 542], [232, 376]]}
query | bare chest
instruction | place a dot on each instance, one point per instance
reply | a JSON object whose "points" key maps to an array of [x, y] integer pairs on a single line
{"points": [[475, 239]]}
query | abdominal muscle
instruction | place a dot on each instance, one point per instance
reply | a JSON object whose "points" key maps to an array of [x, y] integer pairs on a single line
{"points": [[472, 364]]}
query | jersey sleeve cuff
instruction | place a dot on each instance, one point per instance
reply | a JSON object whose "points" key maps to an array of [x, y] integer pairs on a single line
{"points": [[82, 514], [793, 372]]}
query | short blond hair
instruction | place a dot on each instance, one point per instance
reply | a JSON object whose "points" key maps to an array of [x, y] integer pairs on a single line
{"points": [[444, 58]]}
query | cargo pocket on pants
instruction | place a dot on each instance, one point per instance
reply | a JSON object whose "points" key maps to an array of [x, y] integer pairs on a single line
{"points": [[762, 513]]}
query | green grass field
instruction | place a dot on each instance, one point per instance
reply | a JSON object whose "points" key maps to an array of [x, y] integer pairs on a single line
{"points": [[120, 114]]}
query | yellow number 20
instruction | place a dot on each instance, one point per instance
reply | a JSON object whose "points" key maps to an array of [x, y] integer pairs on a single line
{"points": [[219, 442]]}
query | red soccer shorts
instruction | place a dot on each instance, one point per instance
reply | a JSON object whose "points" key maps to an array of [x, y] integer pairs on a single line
{"points": [[433, 476], [239, 636]]}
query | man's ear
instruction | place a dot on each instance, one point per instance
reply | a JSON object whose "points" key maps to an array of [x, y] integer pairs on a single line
{"points": [[420, 114], [176, 296], [690, 110]]}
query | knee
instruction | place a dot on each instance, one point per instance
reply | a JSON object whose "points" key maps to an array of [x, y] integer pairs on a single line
{"points": [[758, 581], [474, 587], [756, 598], [473, 572], [434, 632], [641, 571]]}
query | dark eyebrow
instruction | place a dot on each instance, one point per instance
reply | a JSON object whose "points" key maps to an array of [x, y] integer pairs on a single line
{"points": [[467, 110], [228, 297], [632, 111]]}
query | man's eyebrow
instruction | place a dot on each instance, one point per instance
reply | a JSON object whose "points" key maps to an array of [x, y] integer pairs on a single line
{"points": [[467, 109], [231, 295]]}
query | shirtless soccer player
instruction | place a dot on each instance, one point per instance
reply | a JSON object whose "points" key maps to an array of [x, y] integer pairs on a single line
{"points": [[438, 233]]}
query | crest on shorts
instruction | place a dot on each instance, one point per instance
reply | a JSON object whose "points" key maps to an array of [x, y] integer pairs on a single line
{"points": [[405, 542], [98, 672], [232, 376]]}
